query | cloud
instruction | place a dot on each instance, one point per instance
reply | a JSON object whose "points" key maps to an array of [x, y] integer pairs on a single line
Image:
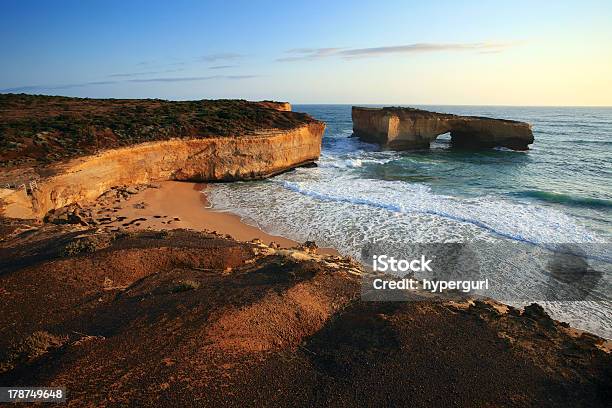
{"points": [[176, 62], [310, 53], [222, 66], [423, 47], [133, 74], [133, 80], [56, 87], [491, 51], [174, 79], [350, 53], [89, 83], [22, 88], [241, 76], [221, 56], [189, 79]]}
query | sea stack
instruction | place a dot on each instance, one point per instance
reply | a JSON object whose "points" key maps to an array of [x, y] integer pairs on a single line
{"points": [[409, 128]]}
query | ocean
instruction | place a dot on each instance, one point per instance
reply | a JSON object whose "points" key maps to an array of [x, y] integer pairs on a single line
{"points": [[359, 195]]}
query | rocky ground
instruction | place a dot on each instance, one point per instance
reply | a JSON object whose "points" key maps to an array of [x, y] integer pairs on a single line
{"points": [[184, 318]]}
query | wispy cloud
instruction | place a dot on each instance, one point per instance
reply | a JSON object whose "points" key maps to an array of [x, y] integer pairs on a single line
{"points": [[241, 76], [222, 66], [297, 54], [159, 64], [425, 47], [221, 56], [133, 80], [134, 74], [55, 87], [24, 88], [189, 79], [310, 53]]}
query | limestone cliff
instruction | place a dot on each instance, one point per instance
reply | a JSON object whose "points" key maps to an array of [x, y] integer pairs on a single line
{"points": [[37, 130], [407, 128], [280, 106], [61, 151], [211, 159]]}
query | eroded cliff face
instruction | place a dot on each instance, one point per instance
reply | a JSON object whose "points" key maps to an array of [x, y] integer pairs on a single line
{"points": [[280, 106], [210, 159], [407, 128]]}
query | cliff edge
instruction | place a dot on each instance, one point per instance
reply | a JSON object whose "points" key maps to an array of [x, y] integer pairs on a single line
{"points": [[58, 151], [409, 128]]}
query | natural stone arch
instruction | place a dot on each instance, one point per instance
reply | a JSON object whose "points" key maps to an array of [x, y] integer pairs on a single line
{"points": [[407, 128]]}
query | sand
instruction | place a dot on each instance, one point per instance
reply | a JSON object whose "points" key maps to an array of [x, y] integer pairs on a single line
{"points": [[176, 205]]}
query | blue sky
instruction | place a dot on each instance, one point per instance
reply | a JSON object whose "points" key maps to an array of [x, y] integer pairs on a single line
{"points": [[404, 52]]}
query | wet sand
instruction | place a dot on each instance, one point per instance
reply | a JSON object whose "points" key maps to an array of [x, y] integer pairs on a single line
{"points": [[184, 205]]}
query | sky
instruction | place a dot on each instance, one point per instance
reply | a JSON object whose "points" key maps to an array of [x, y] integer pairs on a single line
{"points": [[380, 52]]}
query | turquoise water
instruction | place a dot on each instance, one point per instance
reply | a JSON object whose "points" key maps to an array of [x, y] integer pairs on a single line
{"points": [[569, 167], [560, 191]]}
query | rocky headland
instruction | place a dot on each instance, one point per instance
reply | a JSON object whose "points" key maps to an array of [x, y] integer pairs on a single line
{"points": [[408, 128], [58, 151]]}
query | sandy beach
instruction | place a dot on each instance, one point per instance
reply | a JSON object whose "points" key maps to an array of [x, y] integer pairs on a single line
{"points": [[174, 205]]}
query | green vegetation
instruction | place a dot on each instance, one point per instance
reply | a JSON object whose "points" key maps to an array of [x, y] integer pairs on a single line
{"points": [[32, 347], [184, 286], [82, 245], [38, 129], [163, 234]]}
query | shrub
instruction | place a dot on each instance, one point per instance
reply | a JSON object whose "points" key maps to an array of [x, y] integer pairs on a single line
{"points": [[84, 245], [163, 234], [35, 345], [183, 286]]}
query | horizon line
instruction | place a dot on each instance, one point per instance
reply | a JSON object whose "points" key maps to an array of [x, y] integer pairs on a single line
{"points": [[326, 103], [456, 104]]}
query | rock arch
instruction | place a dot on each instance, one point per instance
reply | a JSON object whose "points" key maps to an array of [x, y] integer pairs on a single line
{"points": [[408, 128]]}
